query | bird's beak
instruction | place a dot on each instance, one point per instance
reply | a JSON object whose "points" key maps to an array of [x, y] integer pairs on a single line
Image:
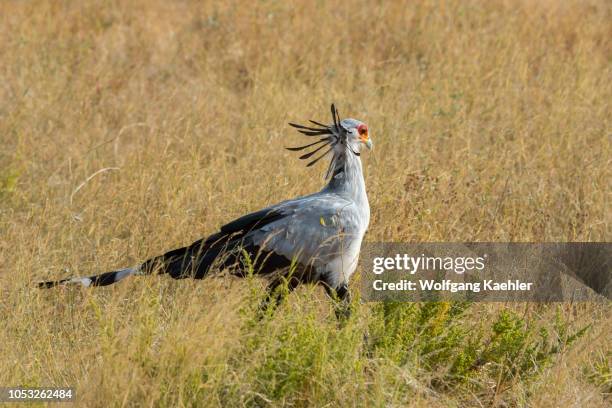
{"points": [[369, 144]]}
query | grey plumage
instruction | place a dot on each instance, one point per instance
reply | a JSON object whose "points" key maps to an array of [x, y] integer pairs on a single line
{"points": [[315, 238]]}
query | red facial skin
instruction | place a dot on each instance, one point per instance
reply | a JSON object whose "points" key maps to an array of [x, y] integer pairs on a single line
{"points": [[363, 131]]}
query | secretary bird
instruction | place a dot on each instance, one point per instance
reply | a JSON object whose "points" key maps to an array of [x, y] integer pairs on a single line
{"points": [[310, 239]]}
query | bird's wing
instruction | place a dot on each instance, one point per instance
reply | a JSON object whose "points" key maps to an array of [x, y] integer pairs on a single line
{"points": [[315, 230]]}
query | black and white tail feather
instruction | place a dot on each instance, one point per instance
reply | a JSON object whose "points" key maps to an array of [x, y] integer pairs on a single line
{"points": [[103, 279]]}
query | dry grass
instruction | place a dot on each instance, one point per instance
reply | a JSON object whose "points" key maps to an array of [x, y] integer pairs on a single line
{"points": [[491, 122]]}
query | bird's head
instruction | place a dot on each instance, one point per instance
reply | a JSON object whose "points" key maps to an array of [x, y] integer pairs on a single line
{"points": [[341, 137], [357, 133]]}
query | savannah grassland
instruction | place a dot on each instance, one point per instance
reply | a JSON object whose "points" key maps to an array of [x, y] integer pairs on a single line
{"points": [[130, 128]]}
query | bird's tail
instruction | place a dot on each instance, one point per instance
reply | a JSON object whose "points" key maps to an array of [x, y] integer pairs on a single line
{"points": [[103, 279], [193, 261]]}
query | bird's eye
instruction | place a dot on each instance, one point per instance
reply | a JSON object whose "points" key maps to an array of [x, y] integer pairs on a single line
{"points": [[363, 130]]}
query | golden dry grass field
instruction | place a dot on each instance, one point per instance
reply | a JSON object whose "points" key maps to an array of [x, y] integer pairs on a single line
{"points": [[130, 128]]}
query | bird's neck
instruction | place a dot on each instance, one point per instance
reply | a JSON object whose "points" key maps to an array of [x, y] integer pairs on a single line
{"points": [[347, 179]]}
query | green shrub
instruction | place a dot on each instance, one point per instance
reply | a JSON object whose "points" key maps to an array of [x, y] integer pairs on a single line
{"points": [[599, 371], [435, 338]]}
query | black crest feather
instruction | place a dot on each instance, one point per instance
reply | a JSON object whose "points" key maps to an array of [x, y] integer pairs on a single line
{"points": [[335, 133]]}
